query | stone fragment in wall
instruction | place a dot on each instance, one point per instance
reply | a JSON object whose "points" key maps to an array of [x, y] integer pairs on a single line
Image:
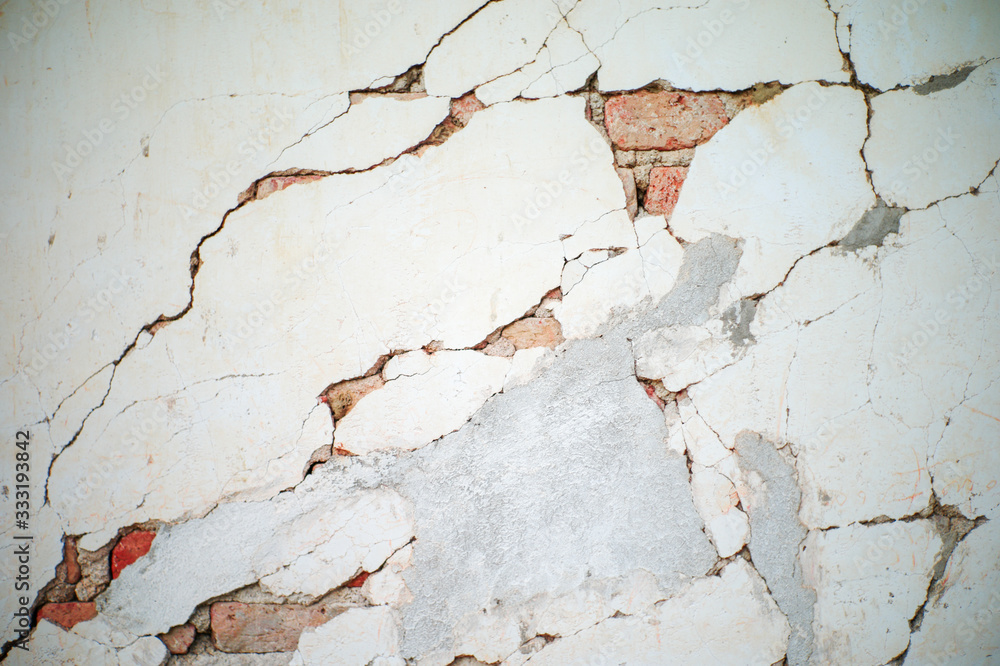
{"points": [[757, 180], [869, 581], [662, 120], [726, 619], [718, 45], [879, 40], [425, 397], [664, 189], [356, 636], [924, 148], [959, 624], [238, 627], [464, 107], [95, 571], [534, 332], [179, 638]]}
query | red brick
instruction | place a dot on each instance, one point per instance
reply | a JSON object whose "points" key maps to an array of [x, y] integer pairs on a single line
{"points": [[71, 558], [358, 580], [131, 547], [463, 108], [179, 639], [534, 332], [68, 614], [245, 628], [663, 120], [664, 189]]}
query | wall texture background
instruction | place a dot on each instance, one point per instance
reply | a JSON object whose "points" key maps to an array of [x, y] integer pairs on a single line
{"points": [[528, 331]]}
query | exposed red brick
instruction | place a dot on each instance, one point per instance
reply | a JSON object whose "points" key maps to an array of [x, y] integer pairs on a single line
{"points": [[463, 108], [663, 120], [179, 639], [131, 547], [244, 628], [68, 614], [268, 187], [358, 580], [664, 189], [71, 559], [534, 332]]}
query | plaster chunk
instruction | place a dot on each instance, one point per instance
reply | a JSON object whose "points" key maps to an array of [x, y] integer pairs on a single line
{"points": [[960, 620], [374, 128], [879, 38], [728, 619], [356, 636], [715, 498], [498, 39], [758, 180], [309, 540], [412, 410], [256, 352], [927, 147], [721, 44], [869, 581], [684, 355], [387, 586]]}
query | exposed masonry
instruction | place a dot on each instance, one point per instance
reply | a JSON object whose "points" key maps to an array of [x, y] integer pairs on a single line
{"points": [[565, 397]]}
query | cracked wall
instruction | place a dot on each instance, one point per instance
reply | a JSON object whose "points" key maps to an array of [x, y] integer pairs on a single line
{"points": [[500, 332]]}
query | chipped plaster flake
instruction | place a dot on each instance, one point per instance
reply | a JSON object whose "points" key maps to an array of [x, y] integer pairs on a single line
{"points": [[526, 364], [729, 619], [375, 128], [279, 314], [718, 44], [365, 532], [611, 230], [927, 147], [965, 464], [51, 645], [562, 65], [761, 179], [356, 636], [387, 586], [869, 581], [502, 37], [413, 410], [620, 284], [683, 355], [882, 38], [715, 499], [332, 513], [960, 620]]}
